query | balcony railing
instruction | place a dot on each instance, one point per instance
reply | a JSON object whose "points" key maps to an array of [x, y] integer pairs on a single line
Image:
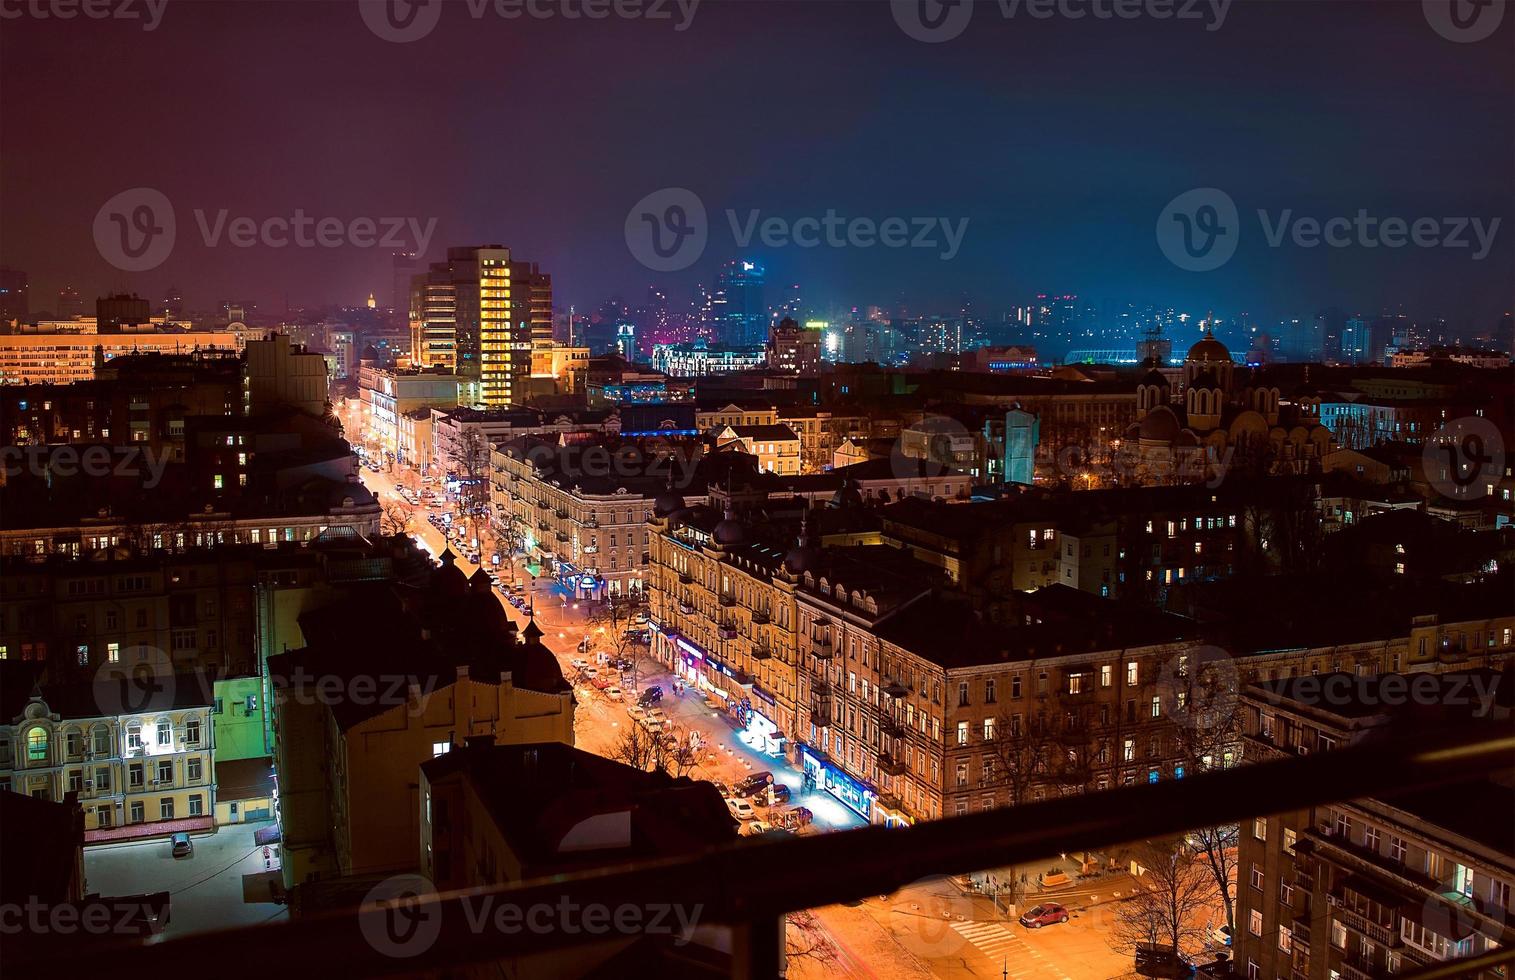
{"points": [[889, 764], [879, 860], [760, 617]]}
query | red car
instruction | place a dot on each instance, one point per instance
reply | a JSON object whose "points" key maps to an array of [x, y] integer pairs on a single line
{"points": [[1044, 915]]}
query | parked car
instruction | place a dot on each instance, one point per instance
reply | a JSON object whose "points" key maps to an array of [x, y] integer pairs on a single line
{"points": [[741, 809], [590, 672], [777, 794], [621, 663], [636, 711], [613, 693], [1221, 935], [721, 787], [1044, 914], [755, 828], [182, 846], [653, 725], [796, 818], [752, 784], [651, 695], [603, 683]]}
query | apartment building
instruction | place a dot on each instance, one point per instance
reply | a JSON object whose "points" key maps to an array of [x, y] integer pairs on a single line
{"points": [[140, 766], [777, 447], [1370, 888]]}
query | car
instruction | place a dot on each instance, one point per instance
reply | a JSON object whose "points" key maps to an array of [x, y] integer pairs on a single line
{"points": [[1044, 914], [753, 784], [651, 695], [183, 847], [740, 808], [755, 828], [777, 794], [657, 714], [603, 683], [590, 672], [721, 787], [579, 663], [613, 693], [796, 818], [653, 725], [1221, 935], [636, 711], [621, 663]]}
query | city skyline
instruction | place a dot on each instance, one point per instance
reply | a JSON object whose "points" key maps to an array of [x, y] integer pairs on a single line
{"points": [[1053, 185]]}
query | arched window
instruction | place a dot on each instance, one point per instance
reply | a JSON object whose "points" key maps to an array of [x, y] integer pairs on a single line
{"points": [[36, 745]]}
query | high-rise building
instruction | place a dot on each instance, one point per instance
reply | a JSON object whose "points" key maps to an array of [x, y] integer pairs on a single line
{"points": [[14, 295], [1329, 327], [172, 306], [479, 314], [122, 313], [70, 304], [404, 266], [738, 314]]}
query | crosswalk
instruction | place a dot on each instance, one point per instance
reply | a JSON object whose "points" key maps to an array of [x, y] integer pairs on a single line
{"points": [[1001, 945], [991, 938]]}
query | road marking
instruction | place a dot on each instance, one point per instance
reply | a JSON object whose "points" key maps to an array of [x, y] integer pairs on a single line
{"points": [[989, 937]]}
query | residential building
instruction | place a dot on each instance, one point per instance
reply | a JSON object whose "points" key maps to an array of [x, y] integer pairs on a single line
{"points": [[66, 356], [795, 349], [140, 765], [1387, 884], [423, 669], [777, 447]]}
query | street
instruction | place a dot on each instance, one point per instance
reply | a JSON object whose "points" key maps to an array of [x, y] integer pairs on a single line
{"points": [[933, 928]]}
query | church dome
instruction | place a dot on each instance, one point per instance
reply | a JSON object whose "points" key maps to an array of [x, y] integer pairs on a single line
{"points": [[847, 495], [1209, 351], [729, 532], [1159, 425], [1154, 377]]}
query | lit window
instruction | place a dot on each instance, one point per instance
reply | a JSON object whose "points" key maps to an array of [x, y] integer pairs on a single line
{"points": [[440, 748]]}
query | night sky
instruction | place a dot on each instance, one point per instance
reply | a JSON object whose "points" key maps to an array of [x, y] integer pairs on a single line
{"points": [[1060, 140]]}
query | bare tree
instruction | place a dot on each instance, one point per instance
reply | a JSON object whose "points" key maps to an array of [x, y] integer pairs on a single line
{"points": [[806, 939], [1217, 846], [396, 519], [655, 752], [1170, 901]]}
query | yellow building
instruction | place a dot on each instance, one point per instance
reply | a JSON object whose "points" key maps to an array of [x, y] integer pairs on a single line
{"points": [[142, 773], [777, 447], [387, 680]]}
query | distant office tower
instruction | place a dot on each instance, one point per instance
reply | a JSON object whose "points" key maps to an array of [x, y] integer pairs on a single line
{"points": [[404, 267], [122, 313], [478, 314], [172, 307], [1356, 342], [1329, 325], [70, 304], [795, 349], [1022, 433], [14, 291], [738, 314], [530, 284]]}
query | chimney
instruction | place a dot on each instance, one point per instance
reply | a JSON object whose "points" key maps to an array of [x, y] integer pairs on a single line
{"points": [[462, 672]]}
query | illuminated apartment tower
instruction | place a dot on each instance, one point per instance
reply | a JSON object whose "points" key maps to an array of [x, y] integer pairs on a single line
{"points": [[477, 314]]}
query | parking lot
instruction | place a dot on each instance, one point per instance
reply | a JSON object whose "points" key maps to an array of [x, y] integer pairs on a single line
{"points": [[221, 885]]}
